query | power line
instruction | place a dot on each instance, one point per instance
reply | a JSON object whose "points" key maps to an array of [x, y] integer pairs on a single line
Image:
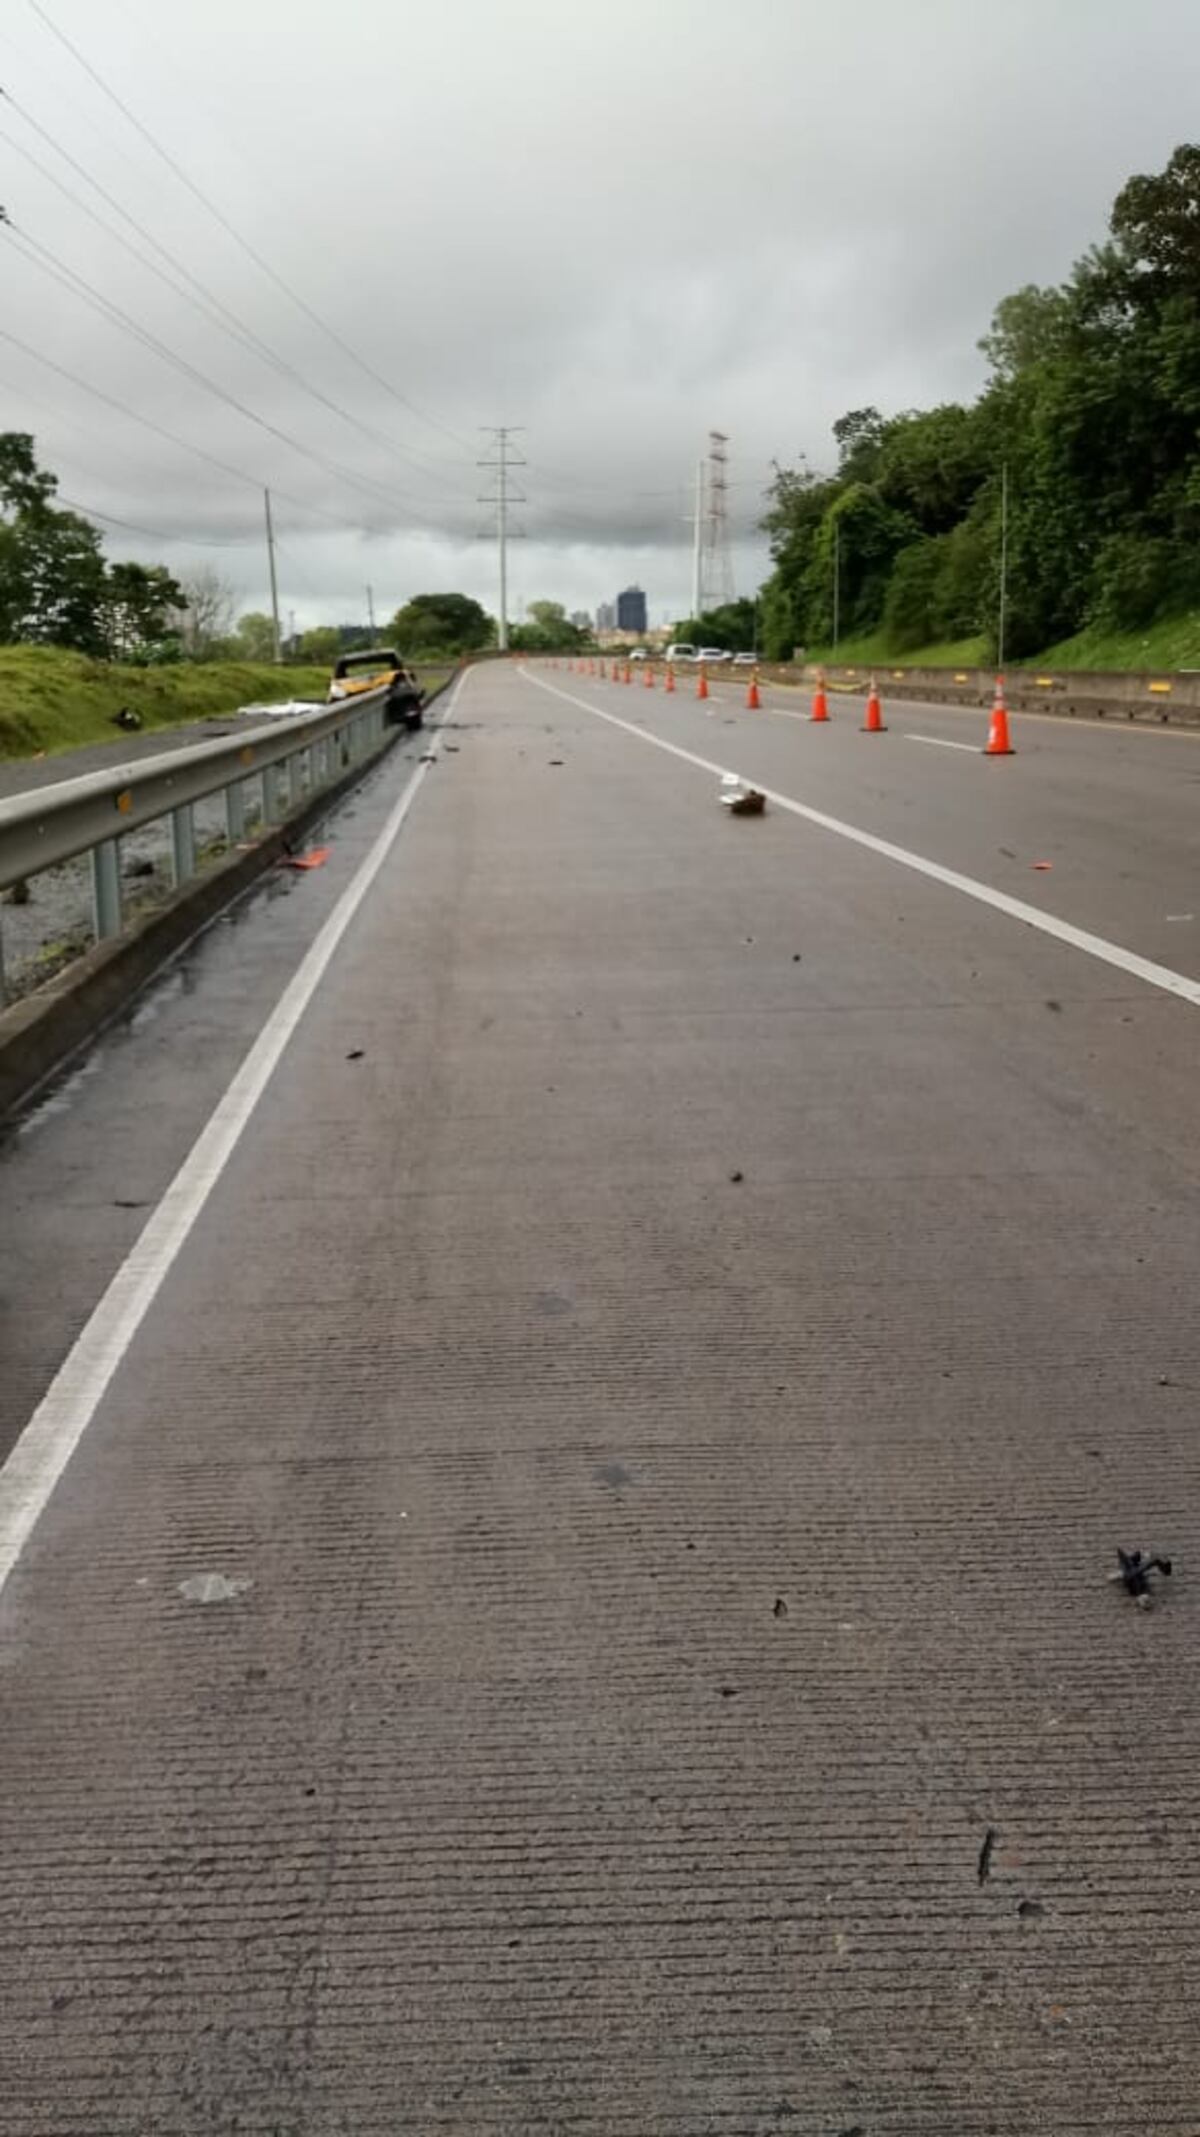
{"points": [[231, 230], [148, 423], [154, 534], [203, 299], [40, 256]]}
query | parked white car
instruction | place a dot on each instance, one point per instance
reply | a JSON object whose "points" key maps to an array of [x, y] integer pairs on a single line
{"points": [[681, 652], [710, 654], [745, 660]]}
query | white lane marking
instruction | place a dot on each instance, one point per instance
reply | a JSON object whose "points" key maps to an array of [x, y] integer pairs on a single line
{"points": [[40, 1456], [973, 749], [1108, 953]]}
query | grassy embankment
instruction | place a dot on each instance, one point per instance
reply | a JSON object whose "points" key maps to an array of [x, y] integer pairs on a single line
{"points": [[54, 700], [1166, 646]]}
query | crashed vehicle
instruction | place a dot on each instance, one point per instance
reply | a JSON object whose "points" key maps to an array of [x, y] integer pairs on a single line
{"points": [[361, 674]]}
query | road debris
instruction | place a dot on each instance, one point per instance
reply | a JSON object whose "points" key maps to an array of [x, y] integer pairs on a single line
{"points": [[985, 1854], [315, 858], [1134, 1574], [740, 799], [356, 1053], [213, 1588], [1041, 867], [736, 1178], [781, 1609]]}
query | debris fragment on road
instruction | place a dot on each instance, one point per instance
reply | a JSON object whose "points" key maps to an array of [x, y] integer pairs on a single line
{"points": [[315, 858], [984, 1866], [1134, 1573], [740, 799]]}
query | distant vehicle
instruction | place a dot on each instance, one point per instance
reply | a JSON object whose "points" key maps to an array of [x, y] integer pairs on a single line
{"points": [[745, 660], [358, 674], [714, 653], [641, 653], [681, 652]]}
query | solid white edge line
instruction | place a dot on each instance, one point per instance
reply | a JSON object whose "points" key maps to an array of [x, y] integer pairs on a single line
{"points": [[1108, 953], [973, 749], [33, 1468]]}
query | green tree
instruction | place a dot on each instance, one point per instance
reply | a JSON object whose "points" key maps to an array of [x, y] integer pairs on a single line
{"points": [[52, 574], [441, 623], [140, 610], [255, 636], [321, 644]]}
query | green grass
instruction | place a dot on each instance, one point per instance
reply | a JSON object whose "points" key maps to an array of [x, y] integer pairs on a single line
{"points": [[1165, 646], [52, 700], [1169, 645], [873, 652]]}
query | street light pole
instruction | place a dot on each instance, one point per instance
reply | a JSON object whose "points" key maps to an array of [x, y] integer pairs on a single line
{"points": [[1003, 567]]}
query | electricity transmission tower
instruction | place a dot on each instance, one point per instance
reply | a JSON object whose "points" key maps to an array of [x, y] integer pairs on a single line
{"points": [[500, 497], [716, 563]]}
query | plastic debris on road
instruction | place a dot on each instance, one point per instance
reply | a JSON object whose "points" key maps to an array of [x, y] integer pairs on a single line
{"points": [[316, 858], [1134, 1573]]}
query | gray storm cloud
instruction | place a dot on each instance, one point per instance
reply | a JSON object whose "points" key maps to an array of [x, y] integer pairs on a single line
{"points": [[615, 228]]}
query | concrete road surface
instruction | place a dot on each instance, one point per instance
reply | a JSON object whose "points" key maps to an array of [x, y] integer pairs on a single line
{"points": [[569, 1583]]}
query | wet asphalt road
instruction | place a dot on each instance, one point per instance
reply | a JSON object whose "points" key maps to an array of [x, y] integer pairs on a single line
{"points": [[663, 1416]]}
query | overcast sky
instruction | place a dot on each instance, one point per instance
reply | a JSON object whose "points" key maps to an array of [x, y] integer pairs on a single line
{"points": [[618, 226]]}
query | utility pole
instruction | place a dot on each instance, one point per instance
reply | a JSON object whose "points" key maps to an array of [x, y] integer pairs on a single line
{"points": [[837, 583], [502, 497], [698, 542], [1003, 567], [274, 581], [371, 613], [717, 589]]}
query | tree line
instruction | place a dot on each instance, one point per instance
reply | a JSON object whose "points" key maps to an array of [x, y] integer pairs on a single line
{"points": [[1088, 421], [57, 588]]}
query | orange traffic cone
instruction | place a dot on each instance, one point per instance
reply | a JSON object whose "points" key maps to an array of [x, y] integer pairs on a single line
{"points": [[628, 675], [873, 724], [669, 679], [820, 705], [753, 700], [998, 744], [591, 667], [702, 685]]}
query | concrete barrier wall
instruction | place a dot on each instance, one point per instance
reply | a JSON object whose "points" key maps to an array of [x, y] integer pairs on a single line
{"points": [[1160, 699]]}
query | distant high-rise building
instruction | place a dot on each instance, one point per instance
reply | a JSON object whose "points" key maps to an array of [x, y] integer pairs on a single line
{"points": [[581, 620], [631, 609], [606, 617]]}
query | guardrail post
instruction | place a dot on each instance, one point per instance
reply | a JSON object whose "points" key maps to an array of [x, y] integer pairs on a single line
{"points": [[183, 844], [270, 811], [106, 888], [3, 992], [235, 812]]}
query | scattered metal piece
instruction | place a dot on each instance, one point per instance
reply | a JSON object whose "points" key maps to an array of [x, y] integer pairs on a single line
{"points": [[985, 1854], [1041, 868], [1056, 1006], [356, 1053], [1134, 1573], [780, 1610], [555, 761], [316, 858], [736, 1178], [1031, 1910], [213, 1588], [120, 1202]]}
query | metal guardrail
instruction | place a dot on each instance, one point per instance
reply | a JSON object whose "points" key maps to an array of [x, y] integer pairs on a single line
{"points": [[287, 761]]}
